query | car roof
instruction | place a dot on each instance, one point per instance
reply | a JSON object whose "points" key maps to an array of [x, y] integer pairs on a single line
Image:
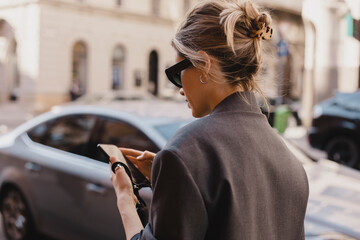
{"points": [[139, 113], [350, 101], [148, 110], [342, 105]]}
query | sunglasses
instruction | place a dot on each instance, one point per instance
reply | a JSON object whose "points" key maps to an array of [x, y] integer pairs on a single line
{"points": [[174, 72]]}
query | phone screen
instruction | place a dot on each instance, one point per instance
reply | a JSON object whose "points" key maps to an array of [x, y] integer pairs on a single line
{"points": [[112, 150]]}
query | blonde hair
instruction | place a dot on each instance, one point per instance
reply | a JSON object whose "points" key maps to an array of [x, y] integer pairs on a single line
{"points": [[230, 32]]}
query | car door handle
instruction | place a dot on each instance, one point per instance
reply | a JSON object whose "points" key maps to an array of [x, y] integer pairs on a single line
{"points": [[32, 167], [91, 187]]}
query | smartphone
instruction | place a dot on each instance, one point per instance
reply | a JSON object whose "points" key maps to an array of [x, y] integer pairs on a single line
{"points": [[112, 150]]}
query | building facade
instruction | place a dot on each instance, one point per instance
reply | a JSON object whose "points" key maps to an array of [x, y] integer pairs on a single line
{"points": [[332, 54], [48, 47]]}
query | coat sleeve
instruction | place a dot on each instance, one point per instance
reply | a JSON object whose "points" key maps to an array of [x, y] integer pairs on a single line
{"points": [[177, 210]]}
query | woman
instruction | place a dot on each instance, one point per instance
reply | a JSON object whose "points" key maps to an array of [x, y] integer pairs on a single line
{"points": [[227, 175]]}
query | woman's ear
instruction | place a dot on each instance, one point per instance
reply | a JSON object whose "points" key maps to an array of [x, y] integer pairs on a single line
{"points": [[207, 60]]}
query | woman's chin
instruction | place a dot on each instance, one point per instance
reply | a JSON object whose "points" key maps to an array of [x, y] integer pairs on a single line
{"points": [[197, 114]]}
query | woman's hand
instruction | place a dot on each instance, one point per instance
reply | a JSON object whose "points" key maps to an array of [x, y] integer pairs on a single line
{"points": [[126, 200], [122, 184], [142, 160]]}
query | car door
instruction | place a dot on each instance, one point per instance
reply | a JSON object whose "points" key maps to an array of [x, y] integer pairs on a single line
{"points": [[60, 174], [120, 133]]}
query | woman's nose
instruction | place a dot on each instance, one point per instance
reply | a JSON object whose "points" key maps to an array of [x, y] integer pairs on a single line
{"points": [[181, 91]]}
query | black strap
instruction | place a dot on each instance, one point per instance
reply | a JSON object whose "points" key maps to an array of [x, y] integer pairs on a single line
{"points": [[127, 170]]}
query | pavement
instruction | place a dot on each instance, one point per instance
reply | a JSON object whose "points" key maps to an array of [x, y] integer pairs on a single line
{"points": [[13, 114]]}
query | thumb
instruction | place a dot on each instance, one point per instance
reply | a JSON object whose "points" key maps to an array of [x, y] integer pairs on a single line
{"points": [[112, 159]]}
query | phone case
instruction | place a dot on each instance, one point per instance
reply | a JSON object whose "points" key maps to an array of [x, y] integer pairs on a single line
{"points": [[137, 175]]}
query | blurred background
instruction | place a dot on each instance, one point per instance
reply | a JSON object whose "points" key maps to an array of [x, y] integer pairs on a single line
{"points": [[53, 52], [49, 48]]}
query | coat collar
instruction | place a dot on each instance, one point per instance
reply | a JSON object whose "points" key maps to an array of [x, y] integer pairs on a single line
{"points": [[238, 102]]}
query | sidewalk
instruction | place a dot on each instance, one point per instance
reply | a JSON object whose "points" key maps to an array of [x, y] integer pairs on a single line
{"points": [[12, 114]]}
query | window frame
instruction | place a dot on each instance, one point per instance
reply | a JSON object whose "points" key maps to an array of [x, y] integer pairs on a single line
{"points": [[50, 124]]}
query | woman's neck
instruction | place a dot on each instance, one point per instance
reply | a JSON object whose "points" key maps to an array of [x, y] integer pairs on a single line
{"points": [[220, 93]]}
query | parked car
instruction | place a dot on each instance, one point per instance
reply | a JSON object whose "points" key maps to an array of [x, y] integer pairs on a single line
{"points": [[336, 128], [53, 180]]}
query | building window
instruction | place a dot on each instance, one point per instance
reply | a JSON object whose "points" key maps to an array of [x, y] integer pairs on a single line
{"points": [[79, 69], [118, 62], [153, 73], [156, 7]]}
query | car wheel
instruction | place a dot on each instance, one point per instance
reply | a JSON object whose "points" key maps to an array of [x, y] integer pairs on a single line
{"points": [[16, 216], [343, 150]]}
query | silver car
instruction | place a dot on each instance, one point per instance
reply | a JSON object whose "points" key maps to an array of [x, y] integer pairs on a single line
{"points": [[54, 181]]}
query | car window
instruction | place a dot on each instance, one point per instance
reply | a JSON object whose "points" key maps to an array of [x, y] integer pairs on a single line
{"points": [[169, 129], [37, 133], [125, 135], [69, 133]]}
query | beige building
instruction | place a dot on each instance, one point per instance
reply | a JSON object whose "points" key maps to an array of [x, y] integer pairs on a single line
{"points": [[48, 46]]}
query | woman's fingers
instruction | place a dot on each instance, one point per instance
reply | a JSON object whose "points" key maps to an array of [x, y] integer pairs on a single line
{"points": [[146, 155], [112, 160], [141, 159], [131, 152]]}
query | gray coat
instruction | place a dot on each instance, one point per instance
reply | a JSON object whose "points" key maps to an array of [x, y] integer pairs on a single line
{"points": [[227, 176]]}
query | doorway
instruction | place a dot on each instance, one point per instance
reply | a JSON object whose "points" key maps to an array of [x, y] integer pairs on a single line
{"points": [[9, 72]]}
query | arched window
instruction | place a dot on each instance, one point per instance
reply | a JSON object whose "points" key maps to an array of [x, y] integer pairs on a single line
{"points": [[153, 73], [9, 74], [118, 62], [79, 68]]}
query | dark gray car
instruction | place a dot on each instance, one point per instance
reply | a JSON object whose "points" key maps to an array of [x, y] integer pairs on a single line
{"points": [[54, 180]]}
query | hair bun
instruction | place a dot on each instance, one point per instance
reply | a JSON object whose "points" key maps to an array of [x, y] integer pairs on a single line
{"points": [[261, 28]]}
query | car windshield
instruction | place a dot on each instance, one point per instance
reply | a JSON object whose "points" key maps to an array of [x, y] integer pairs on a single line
{"points": [[168, 130]]}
